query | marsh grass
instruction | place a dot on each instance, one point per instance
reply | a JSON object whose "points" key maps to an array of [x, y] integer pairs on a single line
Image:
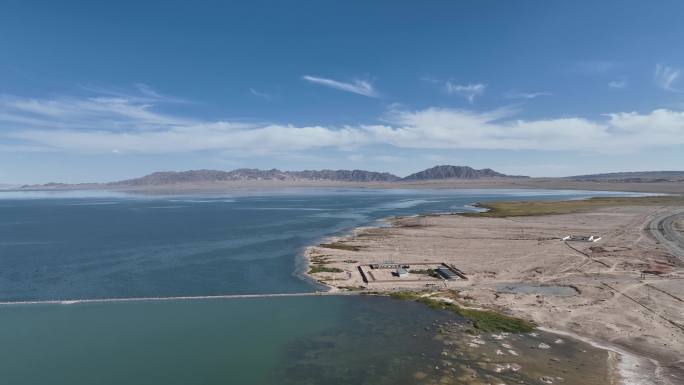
{"points": [[340, 246], [526, 208], [483, 320], [324, 269]]}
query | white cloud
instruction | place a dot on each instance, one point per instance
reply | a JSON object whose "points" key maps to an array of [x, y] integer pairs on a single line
{"points": [[213, 136], [102, 112], [458, 129], [430, 79], [665, 77], [619, 84], [525, 95], [103, 125], [360, 87], [142, 93], [259, 94], [470, 91]]}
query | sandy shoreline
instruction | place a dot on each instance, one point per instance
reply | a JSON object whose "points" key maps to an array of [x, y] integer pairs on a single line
{"points": [[617, 307], [629, 369]]}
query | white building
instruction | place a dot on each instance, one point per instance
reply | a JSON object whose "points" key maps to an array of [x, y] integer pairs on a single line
{"points": [[582, 238]]}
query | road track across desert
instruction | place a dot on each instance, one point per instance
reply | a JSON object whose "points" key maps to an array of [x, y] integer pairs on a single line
{"points": [[663, 229]]}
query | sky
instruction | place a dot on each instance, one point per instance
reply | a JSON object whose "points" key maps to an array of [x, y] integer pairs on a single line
{"points": [[94, 91]]}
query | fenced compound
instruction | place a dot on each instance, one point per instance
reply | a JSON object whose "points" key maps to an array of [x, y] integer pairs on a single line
{"points": [[426, 272]]}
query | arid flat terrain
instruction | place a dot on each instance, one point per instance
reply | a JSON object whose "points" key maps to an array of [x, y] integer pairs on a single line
{"points": [[625, 291]]}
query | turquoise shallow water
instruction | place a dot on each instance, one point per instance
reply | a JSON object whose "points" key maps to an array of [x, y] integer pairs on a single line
{"points": [[266, 341], [332, 340], [252, 341], [105, 245]]}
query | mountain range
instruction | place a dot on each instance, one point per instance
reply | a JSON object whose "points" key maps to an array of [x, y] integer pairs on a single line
{"points": [[636, 176], [250, 174], [457, 172], [247, 174], [442, 172]]}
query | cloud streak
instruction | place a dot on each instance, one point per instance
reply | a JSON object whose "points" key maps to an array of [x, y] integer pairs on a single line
{"points": [[665, 77], [360, 87], [526, 95], [262, 95], [106, 125], [618, 84], [469, 91], [141, 93]]}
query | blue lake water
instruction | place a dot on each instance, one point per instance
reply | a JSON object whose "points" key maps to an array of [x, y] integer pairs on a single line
{"points": [[77, 245]]}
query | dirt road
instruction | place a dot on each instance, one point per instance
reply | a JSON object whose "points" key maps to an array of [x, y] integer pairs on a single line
{"points": [[663, 229]]}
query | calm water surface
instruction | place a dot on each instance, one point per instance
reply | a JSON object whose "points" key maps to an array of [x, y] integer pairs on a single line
{"points": [[266, 341], [100, 245]]}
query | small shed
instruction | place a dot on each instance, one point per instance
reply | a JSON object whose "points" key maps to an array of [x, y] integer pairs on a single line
{"points": [[402, 273]]}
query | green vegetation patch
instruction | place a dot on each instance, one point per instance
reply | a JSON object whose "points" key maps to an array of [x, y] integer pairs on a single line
{"points": [[324, 269], [319, 260], [340, 246], [352, 288], [404, 295], [483, 320], [525, 208]]}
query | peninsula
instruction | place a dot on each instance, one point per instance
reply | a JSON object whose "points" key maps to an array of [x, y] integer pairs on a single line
{"points": [[605, 270]]}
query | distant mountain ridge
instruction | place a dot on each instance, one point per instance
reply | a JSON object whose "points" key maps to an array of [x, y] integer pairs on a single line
{"points": [[251, 174], [164, 178], [634, 176], [248, 174], [346, 175], [456, 172]]}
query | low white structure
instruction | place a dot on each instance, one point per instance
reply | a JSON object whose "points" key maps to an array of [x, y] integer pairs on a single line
{"points": [[402, 273], [582, 238]]}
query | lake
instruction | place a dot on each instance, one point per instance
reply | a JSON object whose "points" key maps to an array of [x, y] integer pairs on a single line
{"points": [[89, 245]]}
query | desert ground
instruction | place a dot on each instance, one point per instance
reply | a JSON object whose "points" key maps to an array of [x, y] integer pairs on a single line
{"points": [[624, 292]]}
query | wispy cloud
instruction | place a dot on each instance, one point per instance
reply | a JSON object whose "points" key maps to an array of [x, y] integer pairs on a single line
{"points": [[96, 113], [619, 84], [469, 91], [100, 125], [665, 77], [262, 95], [429, 79], [525, 95], [360, 87], [140, 93]]}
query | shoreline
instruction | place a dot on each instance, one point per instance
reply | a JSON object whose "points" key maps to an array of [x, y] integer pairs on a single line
{"points": [[625, 362], [675, 187], [625, 358]]}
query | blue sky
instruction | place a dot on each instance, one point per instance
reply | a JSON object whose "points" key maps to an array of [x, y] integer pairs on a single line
{"points": [[98, 91]]}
